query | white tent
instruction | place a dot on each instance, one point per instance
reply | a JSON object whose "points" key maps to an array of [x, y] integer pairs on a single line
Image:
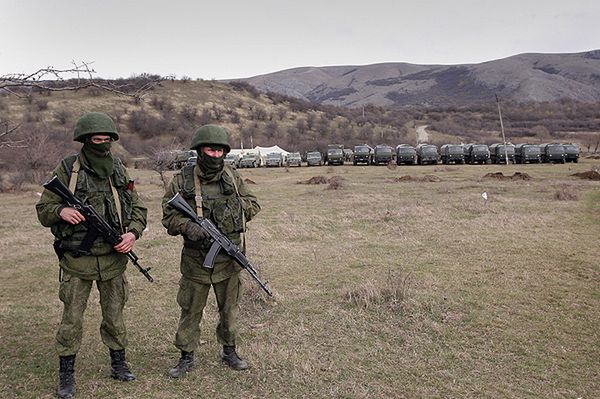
{"points": [[267, 150]]}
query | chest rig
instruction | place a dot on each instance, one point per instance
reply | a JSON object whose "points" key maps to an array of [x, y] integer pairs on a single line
{"points": [[218, 201], [111, 197]]}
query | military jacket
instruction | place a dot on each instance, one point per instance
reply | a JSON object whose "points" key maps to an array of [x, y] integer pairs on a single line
{"points": [[224, 206], [103, 263]]}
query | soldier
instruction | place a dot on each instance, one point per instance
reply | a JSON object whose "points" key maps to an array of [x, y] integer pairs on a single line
{"points": [[218, 193], [101, 178]]}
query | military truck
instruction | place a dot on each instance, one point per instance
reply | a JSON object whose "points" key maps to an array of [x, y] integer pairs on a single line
{"points": [[180, 158], [362, 154], [293, 159], [427, 154], [250, 160], [406, 154], [382, 154], [334, 154], [571, 152], [314, 158], [452, 153], [476, 153], [500, 152], [274, 160], [232, 160], [527, 153], [553, 153]]}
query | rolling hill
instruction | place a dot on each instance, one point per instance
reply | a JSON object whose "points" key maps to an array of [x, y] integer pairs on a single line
{"points": [[523, 77]]}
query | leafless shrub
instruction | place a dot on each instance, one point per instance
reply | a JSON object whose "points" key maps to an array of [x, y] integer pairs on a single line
{"points": [[62, 116], [391, 165], [189, 113], [315, 180], [205, 117], [253, 297], [94, 92], [41, 105], [566, 193], [387, 291], [336, 182]]}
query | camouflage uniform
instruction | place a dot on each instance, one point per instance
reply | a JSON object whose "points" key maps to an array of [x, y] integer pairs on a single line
{"points": [[226, 201], [103, 263]]}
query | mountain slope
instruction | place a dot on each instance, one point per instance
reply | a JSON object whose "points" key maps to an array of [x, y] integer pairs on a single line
{"points": [[523, 77]]}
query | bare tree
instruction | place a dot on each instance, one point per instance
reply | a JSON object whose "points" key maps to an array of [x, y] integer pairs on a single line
{"points": [[80, 76], [5, 130]]}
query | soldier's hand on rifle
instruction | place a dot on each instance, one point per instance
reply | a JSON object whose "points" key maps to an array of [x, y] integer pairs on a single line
{"points": [[194, 232], [127, 244], [71, 215]]}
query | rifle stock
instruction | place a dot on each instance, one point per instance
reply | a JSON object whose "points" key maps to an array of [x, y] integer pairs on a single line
{"points": [[220, 241], [93, 220]]}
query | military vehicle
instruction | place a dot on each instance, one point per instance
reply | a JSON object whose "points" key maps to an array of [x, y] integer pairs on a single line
{"points": [[362, 154], [452, 153], [427, 154], [406, 154], [232, 160], [180, 158], [500, 152], [274, 159], [293, 159], [476, 153], [571, 152], [313, 158], [250, 160], [334, 154], [527, 153], [382, 154], [348, 153], [553, 153]]}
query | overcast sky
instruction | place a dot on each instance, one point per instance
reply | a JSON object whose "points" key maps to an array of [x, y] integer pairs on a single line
{"points": [[230, 39]]}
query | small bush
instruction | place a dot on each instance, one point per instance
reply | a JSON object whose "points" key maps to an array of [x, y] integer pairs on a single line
{"points": [[388, 291], [566, 193], [41, 105]]}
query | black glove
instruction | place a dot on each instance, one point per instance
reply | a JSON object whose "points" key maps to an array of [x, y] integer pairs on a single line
{"points": [[194, 232]]}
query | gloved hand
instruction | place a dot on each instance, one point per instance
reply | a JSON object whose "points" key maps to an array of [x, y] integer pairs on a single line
{"points": [[194, 232]]}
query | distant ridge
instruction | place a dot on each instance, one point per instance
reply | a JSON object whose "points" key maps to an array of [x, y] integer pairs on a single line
{"points": [[524, 77]]}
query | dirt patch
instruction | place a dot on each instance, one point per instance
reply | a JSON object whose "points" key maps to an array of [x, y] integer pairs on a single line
{"points": [[407, 178], [500, 176], [314, 180], [590, 175], [593, 157], [336, 182], [248, 181]]}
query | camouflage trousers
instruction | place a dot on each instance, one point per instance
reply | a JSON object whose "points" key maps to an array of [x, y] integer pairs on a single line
{"points": [[74, 293], [192, 298]]}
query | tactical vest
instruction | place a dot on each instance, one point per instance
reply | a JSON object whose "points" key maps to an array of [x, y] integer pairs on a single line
{"points": [[218, 201], [101, 195]]}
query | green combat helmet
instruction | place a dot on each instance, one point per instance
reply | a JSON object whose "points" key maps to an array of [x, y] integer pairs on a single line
{"points": [[94, 123], [210, 134]]}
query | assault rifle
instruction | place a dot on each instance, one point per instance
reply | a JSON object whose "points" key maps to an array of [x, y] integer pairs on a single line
{"points": [[95, 223], [220, 241]]}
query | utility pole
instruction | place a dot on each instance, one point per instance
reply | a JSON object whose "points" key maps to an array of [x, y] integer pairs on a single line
{"points": [[502, 129]]}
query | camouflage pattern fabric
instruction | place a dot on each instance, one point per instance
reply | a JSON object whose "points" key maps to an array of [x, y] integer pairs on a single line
{"points": [[192, 300], [74, 293]]}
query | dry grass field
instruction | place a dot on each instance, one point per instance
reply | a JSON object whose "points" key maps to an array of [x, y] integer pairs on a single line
{"points": [[384, 288]]}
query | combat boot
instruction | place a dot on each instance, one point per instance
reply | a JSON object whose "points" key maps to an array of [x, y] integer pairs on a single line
{"points": [[232, 359], [66, 377], [185, 364], [120, 370]]}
